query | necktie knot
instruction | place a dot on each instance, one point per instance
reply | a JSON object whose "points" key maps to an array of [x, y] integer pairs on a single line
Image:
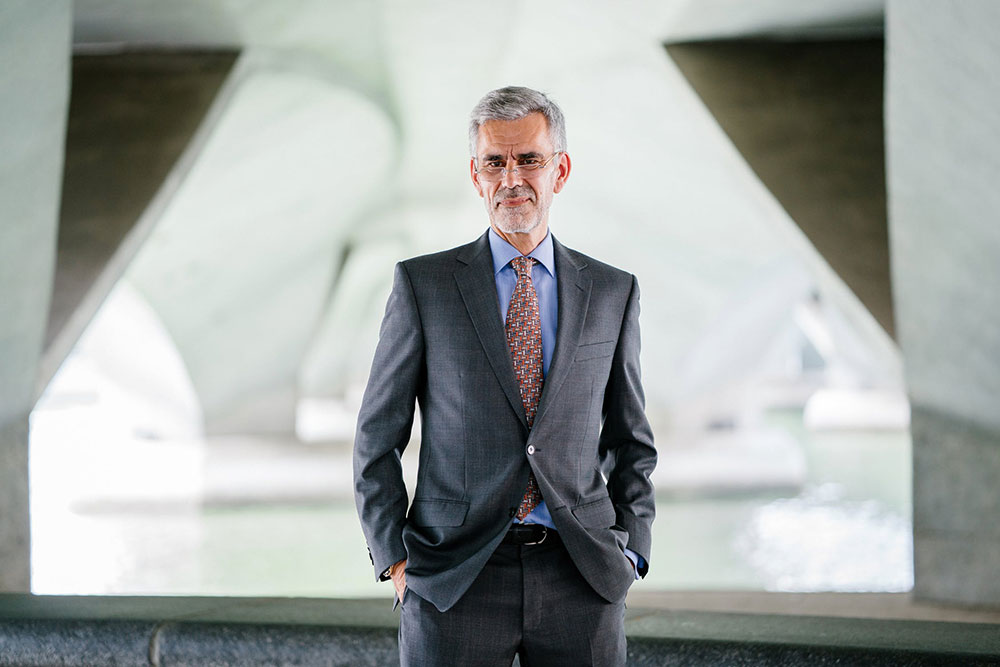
{"points": [[522, 266]]}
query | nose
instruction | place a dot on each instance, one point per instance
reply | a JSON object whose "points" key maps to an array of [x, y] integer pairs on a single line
{"points": [[511, 177]]}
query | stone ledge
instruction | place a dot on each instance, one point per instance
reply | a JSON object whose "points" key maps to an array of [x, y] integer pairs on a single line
{"points": [[47, 630]]}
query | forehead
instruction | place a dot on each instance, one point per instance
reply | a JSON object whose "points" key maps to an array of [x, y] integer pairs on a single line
{"points": [[530, 133]]}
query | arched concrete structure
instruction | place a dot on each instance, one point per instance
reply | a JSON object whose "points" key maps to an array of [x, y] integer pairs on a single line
{"points": [[426, 202], [807, 117], [132, 116], [34, 89], [242, 260], [670, 179]]}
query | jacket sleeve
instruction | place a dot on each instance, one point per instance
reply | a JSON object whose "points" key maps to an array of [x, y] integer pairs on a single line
{"points": [[627, 439], [384, 424]]}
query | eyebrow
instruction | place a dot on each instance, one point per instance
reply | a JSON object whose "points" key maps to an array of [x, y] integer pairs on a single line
{"points": [[519, 156]]}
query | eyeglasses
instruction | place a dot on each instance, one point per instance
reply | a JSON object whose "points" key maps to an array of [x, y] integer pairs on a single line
{"points": [[526, 167]]}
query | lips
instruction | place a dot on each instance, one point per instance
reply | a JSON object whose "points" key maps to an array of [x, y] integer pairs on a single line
{"points": [[512, 202], [513, 197]]}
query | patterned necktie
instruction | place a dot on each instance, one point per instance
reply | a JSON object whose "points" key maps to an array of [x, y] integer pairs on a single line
{"points": [[524, 337]]}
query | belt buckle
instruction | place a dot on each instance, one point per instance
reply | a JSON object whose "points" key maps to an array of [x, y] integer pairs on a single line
{"points": [[545, 533]]}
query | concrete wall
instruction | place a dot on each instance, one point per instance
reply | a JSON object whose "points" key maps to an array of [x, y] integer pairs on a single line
{"points": [[943, 156], [34, 88]]}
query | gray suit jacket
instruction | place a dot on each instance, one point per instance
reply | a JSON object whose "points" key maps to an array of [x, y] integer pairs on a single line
{"points": [[443, 346]]}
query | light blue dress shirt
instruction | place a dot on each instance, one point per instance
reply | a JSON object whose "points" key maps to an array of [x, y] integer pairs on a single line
{"points": [[543, 276]]}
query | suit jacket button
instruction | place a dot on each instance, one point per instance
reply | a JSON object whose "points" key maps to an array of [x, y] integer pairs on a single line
{"points": [[512, 512], [531, 449]]}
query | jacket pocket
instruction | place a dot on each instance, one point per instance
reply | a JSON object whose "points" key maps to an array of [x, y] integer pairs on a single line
{"points": [[595, 350], [438, 512], [596, 514]]}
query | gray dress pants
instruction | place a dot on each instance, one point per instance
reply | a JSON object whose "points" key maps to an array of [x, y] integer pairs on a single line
{"points": [[530, 601]]}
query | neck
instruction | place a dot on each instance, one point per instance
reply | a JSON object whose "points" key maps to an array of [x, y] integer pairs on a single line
{"points": [[525, 242]]}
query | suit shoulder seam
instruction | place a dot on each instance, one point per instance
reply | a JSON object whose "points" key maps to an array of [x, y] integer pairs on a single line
{"points": [[413, 296]]}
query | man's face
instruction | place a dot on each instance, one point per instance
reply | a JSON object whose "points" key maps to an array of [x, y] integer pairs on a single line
{"points": [[516, 204]]}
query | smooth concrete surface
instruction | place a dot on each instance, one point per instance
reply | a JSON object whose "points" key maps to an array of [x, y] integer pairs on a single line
{"points": [[704, 20], [241, 263], [273, 268], [34, 87], [943, 157], [956, 498], [15, 525], [943, 143], [252, 631], [892, 606], [807, 117], [131, 115]]}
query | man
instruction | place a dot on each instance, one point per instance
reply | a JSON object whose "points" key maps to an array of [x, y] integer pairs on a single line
{"points": [[532, 510]]}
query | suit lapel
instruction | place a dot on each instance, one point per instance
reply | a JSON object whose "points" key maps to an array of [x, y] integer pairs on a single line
{"points": [[573, 287], [479, 292]]}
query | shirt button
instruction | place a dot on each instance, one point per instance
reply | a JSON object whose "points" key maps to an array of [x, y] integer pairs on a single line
{"points": [[531, 449]]}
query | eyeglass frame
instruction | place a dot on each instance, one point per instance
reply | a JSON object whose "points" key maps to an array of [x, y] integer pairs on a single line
{"points": [[504, 171]]}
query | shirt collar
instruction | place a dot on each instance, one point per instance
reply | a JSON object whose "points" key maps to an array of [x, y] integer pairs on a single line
{"points": [[503, 252]]}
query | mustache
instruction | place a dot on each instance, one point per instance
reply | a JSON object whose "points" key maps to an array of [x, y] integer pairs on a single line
{"points": [[513, 193]]}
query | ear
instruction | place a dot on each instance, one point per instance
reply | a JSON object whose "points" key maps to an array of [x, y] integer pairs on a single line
{"points": [[562, 172], [475, 177]]}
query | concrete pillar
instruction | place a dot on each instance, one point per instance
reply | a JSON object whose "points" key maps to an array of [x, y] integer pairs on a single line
{"points": [[943, 157], [15, 542], [34, 89]]}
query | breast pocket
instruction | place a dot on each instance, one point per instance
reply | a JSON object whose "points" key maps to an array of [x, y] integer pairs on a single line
{"points": [[595, 350]]}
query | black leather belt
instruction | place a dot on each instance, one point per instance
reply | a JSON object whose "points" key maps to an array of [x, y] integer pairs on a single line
{"points": [[529, 533]]}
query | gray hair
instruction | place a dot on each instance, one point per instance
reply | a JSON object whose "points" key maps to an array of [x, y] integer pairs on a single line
{"points": [[514, 103]]}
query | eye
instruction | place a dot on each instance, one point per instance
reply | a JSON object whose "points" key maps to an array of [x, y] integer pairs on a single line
{"points": [[529, 162], [493, 164]]}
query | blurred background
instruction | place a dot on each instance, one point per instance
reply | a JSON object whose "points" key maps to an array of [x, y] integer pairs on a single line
{"points": [[202, 202]]}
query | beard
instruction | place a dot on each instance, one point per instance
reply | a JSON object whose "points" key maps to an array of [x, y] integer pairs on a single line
{"points": [[516, 220]]}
